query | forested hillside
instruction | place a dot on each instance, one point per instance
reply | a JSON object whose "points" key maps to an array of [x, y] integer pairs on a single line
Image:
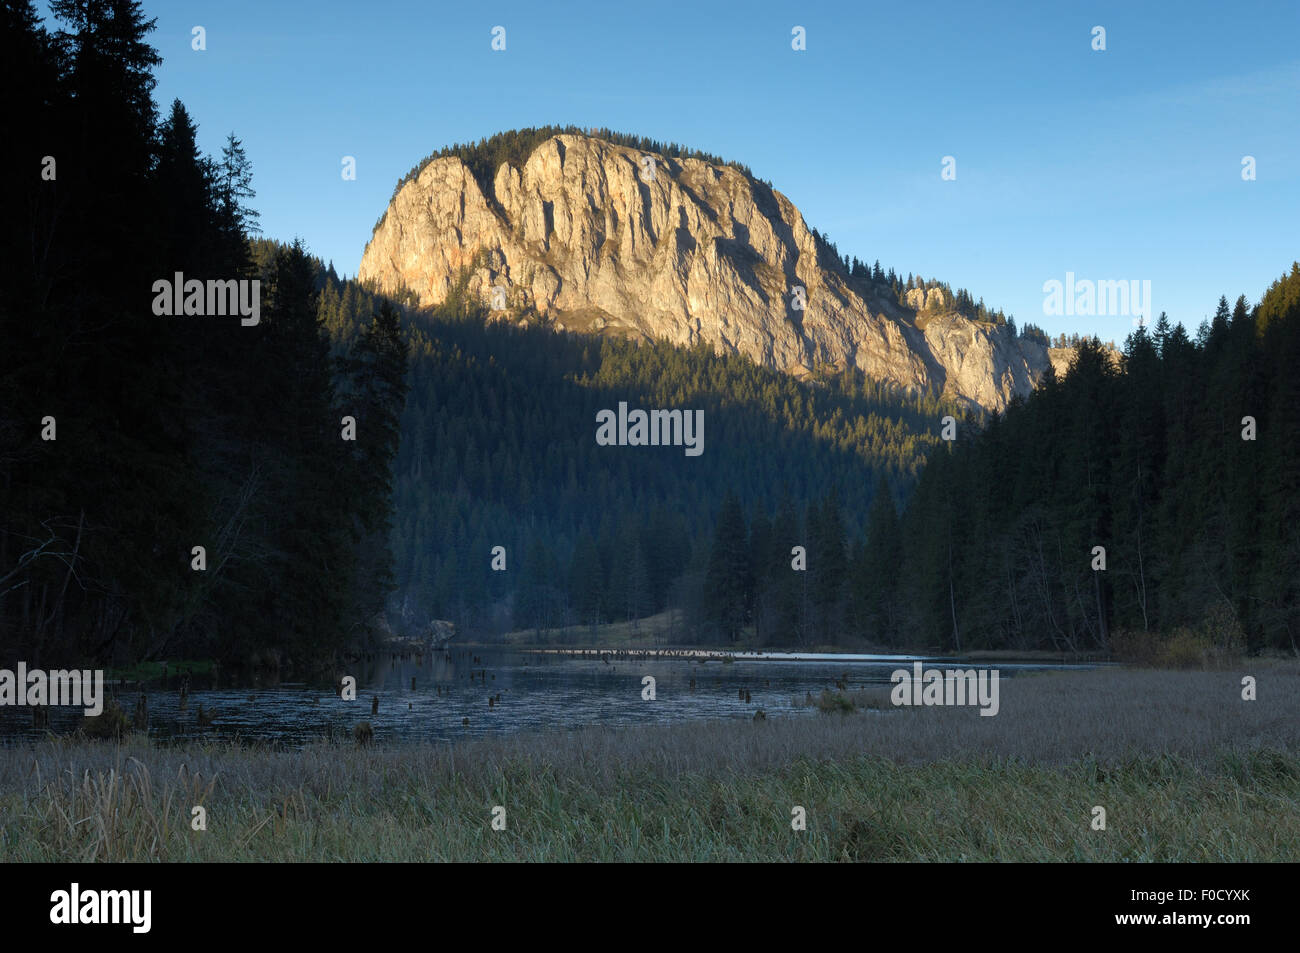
{"points": [[1181, 462], [498, 449], [1143, 456]]}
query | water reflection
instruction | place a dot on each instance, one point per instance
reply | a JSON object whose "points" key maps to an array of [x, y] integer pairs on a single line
{"points": [[539, 689]]}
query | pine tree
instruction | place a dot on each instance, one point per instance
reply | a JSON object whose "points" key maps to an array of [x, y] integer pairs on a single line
{"points": [[184, 193], [729, 577], [585, 580], [876, 570], [827, 568], [374, 382], [234, 182]]}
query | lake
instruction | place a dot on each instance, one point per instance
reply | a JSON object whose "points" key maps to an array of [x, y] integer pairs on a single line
{"points": [[538, 689]]}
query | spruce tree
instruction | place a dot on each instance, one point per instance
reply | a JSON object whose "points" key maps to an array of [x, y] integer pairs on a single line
{"points": [[728, 584]]}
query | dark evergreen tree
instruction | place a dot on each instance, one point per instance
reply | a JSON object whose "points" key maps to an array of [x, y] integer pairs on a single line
{"points": [[729, 583]]}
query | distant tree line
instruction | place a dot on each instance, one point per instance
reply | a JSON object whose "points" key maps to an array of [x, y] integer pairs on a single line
{"points": [[1179, 460], [872, 279]]}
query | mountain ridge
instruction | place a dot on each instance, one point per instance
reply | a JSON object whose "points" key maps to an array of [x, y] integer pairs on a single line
{"points": [[598, 236]]}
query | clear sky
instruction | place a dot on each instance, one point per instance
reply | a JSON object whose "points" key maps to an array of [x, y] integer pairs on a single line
{"points": [[1123, 164]]}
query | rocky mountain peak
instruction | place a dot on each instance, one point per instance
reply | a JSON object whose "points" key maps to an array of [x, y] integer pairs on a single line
{"points": [[595, 236]]}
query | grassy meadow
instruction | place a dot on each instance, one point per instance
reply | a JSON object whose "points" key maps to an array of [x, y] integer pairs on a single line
{"points": [[1185, 769]]}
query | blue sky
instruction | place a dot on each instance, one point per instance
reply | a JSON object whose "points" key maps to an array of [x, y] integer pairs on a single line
{"points": [[1123, 164]]}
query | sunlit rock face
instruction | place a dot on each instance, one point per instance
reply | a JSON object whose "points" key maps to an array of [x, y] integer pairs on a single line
{"points": [[593, 236]]}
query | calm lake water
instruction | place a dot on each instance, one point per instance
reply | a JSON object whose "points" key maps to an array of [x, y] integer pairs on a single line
{"points": [[537, 689]]}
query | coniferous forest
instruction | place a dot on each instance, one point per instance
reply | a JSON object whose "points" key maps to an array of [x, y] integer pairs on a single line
{"points": [[1173, 455], [128, 439], [1179, 460], [137, 450]]}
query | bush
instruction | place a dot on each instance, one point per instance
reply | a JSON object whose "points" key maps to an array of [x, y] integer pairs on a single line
{"points": [[1185, 648], [835, 702], [110, 723], [1218, 640]]}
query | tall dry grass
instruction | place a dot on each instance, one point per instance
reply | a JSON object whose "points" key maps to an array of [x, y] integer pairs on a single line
{"points": [[1185, 768]]}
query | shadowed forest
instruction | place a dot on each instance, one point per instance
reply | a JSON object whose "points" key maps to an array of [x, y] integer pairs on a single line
{"points": [[127, 440]]}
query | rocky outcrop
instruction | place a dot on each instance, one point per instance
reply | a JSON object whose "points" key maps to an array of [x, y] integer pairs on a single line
{"points": [[593, 236]]}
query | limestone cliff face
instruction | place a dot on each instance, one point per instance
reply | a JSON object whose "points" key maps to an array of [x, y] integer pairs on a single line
{"points": [[591, 236]]}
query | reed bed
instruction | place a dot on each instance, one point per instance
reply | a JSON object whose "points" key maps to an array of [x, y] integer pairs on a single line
{"points": [[1186, 771]]}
